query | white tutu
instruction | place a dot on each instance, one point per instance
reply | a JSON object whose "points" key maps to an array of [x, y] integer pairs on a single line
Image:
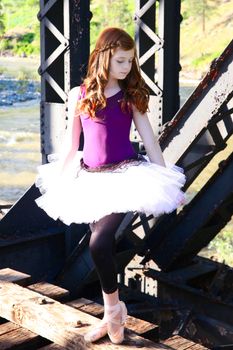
{"points": [[79, 196]]}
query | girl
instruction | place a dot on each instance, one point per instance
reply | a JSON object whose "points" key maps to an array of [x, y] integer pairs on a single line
{"points": [[111, 178]]}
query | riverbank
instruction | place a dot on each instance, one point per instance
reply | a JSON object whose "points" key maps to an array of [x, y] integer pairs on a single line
{"points": [[19, 80], [14, 91], [22, 68], [20, 148]]}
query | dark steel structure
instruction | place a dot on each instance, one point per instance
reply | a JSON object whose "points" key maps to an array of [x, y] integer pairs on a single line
{"points": [[194, 295], [157, 37], [65, 42]]}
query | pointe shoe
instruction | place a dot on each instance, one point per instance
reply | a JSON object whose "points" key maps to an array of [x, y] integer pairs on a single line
{"points": [[97, 332], [117, 336]]}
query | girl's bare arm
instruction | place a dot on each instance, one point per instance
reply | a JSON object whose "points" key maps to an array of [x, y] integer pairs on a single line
{"points": [[149, 140]]}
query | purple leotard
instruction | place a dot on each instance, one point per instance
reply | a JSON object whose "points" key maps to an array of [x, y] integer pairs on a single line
{"points": [[106, 138]]}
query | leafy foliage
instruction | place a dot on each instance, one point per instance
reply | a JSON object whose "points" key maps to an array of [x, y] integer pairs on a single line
{"points": [[2, 19], [201, 9], [18, 23], [21, 27], [206, 30], [222, 245], [111, 13]]}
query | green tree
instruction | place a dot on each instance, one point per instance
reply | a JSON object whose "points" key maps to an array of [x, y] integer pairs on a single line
{"points": [[2, 19], [111, 13], [201, 9], [33, 3]]}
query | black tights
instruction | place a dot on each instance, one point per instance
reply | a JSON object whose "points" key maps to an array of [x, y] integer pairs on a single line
{"points": [[102, 248]]}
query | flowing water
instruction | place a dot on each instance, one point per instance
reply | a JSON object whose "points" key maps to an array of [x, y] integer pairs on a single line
{"points": [[19, 148]]}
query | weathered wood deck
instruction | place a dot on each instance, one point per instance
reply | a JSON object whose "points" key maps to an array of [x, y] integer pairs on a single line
{"points": [[39, 318]]}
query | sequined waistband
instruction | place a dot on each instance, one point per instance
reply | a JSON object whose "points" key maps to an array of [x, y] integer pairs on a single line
{"points": [[114, 167]]}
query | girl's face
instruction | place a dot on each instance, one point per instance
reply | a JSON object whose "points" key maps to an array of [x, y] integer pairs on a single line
{"points": [[121, 63]]}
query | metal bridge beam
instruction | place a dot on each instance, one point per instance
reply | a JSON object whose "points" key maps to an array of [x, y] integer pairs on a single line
{"points": [[158, 51], [169, 56], [65, 40], [197, 133], [64, 53]]}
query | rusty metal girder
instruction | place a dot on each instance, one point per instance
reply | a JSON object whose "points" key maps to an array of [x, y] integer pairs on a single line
{"points": [[198, 132], [197, 224], [204, 123]]}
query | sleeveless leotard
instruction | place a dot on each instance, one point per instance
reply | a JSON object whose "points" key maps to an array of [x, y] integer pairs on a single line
{"points": [[106, 138]]}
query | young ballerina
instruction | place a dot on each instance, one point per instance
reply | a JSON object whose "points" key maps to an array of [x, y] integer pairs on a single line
{"points": [[110, 179]]}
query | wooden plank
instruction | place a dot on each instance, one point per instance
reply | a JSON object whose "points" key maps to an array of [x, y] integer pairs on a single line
{"points": [[16, 335], [139, 326], [88, 306], [7, 328], [134, 324], [175, 342], [180, 343], [20, 337], [52, 347], [60, 323], [11, 275], [132, 342], [198, 347], [13, 336], [50, 290], [43, 316]]}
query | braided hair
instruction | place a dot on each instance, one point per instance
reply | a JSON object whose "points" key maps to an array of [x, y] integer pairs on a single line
{"points": [[94, 84]]}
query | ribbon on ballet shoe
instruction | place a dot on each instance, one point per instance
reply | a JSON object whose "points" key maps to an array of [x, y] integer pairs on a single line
{"points": [[116, 336], [97, 332]]}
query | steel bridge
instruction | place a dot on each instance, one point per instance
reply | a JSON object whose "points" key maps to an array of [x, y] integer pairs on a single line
{"points": [[161, 275]]}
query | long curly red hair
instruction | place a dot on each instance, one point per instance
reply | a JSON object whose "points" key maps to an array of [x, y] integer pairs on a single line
{"points": [[133, 86]]}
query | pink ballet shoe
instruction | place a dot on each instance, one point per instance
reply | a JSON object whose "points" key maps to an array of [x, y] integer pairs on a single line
{"points": [[116, 336], [97, 332]]}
